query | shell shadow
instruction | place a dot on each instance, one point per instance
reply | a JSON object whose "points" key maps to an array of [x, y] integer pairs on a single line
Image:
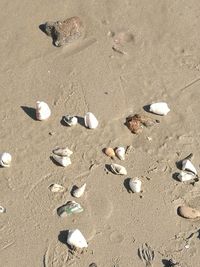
{"points": [[54, 161], [42, 28], [62, 237], [126, 185], [73, 189], [31, 112], [147, 108], [108, 168], [168, 263], [175, 176], [63, 123], [81, 121], [179, 164]]}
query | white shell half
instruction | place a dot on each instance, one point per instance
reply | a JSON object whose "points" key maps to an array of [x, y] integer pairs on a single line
{"points": [[43, 111], [56, 188], [135, 185], [120, 152], [118, 169], [188, 166], [185, 176], [63, 161], [90, 120], [5, 159], [160, 108], [79, 191], [76, 239], [62, 151]]}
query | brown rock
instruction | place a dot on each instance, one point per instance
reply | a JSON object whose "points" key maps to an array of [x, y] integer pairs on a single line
{"points": [[188, 212]]}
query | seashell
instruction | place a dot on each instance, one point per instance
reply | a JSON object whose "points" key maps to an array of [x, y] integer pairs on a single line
{"points": [[71, 207], [185, 176], [188, 166], [5, 159], [76, 239], [55, 188], [160, 108], [146, 120], [2, 209], [134, 124], [109, 151], [93, 264], [79, 191], [135, 185], [43, 111], [62, 151], [90, 121], [120, 152], [118, 169], [63, 161], [188, 212], [70, 120]]}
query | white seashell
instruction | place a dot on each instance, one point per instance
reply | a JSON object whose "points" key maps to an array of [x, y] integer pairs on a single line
{"points": [[79, 191], [188, 166], [160, 108], [5, 159], [70, 120], [135, 185], [76, 239], [55, 188], [2, 209], [62, 151], [43, 111], [185, 176], [118, 169], [120, 152], [90, 121], [63, 161]]}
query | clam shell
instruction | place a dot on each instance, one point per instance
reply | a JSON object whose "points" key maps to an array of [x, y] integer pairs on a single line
{"points": [[71, 207], [185, 176], [5, 159], [188, 166], [55, 188], [79, 191], [120, 152], [109, 151], [2, 209], [90, 120], [188, 212], [160, 108], [76, 239], [118, 169], [70, 120], [43, 111], [63, 161], [135, 185], [62, 151]]}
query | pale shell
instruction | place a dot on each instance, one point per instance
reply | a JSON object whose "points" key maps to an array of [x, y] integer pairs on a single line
{"points": [[79, 191], [43, 111], [185, 176], [120, 152], [70, 120], [90, 120], [160, 108], [188, 166], [5, 159], [135, 185], [56, 188], [76, 239], [62, 151], [2, 209], [188, 212], [63, 161], [109, 151], [118, 169]]}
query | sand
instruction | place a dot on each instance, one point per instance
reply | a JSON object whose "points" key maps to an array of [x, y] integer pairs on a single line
{"points": [[160, 61]]}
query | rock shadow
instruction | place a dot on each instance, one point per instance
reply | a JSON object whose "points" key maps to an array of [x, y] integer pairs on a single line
{"points": [[31, 112], [126, 185]]}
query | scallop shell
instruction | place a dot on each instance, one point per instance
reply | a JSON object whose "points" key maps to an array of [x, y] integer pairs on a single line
{"points": [[188, 212], [43, 111], [62, 151], [160, 108], [55, 188], [5, 159], [70, 120], [120, 152], [79, 191], [2, 209], [188, 166], [185, 176], [71, 207], [118, 169], [135, 185], [109, 151], [76, 239], [63, 161], [90, 120]]}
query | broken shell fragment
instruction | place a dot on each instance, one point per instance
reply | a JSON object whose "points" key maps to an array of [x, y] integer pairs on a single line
{"points": [[63, 161], [62, 151], [2, 209], [118, 169], [90, 120], [66, 31], [79, 191], [146, 120], [188, 166], [109, 151], [186, 176], [43, 111], [134, 124], [76, 239], [120, 152], [56, 188], [71, 207], [135, 185], [160, 108], [188, 212], [70, 120], [5, 159]]}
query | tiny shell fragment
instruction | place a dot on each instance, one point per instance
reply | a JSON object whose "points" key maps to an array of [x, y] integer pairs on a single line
{"points": [[62, 151], [55, 188], [109, 151], [71, 207], [2, 209], [188, 213]]}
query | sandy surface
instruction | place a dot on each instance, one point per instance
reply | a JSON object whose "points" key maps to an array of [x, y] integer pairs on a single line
{"points": [[160, 63]]}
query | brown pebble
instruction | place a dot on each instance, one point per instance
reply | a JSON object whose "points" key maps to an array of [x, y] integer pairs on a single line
{"points": [[134, 125], [188, 212]]}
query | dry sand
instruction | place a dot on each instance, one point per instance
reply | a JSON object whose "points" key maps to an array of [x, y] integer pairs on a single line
{"points": [[161, 63]]}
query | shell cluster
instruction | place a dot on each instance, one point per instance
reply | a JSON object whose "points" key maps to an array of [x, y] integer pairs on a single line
{"points": [[62, 156], [188, 171]]}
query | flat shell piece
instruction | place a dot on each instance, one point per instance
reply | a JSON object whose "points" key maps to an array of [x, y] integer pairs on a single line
{"points": [[56, 188], [186, 176], [62, 151], [71, 207], [118, 169], [188, 212], [188, 166]]}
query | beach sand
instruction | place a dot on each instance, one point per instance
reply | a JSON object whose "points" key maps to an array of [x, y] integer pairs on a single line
{"points": [[159, 61]]}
